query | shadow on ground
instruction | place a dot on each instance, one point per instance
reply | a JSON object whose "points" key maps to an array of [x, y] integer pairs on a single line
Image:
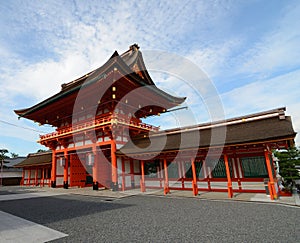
{"points": [[47, 210]]}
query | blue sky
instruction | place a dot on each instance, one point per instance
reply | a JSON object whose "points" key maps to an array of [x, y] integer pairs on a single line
{"points": [[249, 50]]}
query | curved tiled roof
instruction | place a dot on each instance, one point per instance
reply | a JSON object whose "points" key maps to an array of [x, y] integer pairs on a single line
{"points": [[132, 64]]}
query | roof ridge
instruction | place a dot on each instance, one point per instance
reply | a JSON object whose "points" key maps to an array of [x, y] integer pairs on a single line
{"points": [[246, 118]]}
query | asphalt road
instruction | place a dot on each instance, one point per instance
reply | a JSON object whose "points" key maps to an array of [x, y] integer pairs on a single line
{"points": [[159, 219]]}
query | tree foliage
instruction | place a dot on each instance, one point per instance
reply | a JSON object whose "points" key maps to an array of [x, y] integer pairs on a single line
{"points": [[4, 152], [13, 155], [41, 151], [288, 159]]}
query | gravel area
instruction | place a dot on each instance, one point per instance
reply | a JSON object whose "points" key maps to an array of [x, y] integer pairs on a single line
{"points": [[159, 219]]}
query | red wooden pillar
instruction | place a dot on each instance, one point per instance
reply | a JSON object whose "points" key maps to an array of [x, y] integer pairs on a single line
{"points": [[143, 189], [237, 168], [271, 183], [66, 169], [161, 170], [36, 176], [114, 166], [29, 177], [229, 183], [95, 168], [194, 185], [43, 177], [166, 186], [23, 177], [53, 170]]}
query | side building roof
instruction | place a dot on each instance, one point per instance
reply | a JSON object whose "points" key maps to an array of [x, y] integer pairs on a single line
{"points": [[264, 127], [11, 162], [36, 159]]}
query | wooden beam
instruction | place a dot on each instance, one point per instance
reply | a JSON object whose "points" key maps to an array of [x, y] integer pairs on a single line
{"points": [[29, 177], [166, 186], [114, 166], [95, 170], [143, 189], [53, 170], [23, 177], [271, 183], [36, 176], [195, 186], [43, 177], [229, 182], [66, 169]]}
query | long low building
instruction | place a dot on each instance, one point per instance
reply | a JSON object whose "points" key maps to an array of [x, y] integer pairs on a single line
{"points": [[197, 158], [36, 169], [100, 138]]}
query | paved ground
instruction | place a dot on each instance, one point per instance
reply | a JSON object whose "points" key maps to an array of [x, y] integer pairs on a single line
{"points": [[106, 216]]}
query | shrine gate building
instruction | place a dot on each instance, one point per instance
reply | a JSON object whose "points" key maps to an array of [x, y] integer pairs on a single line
{"points": [[100, 139]]}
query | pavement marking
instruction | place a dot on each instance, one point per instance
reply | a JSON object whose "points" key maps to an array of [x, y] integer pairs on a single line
{"points": [[8, 197], [16, 229]]}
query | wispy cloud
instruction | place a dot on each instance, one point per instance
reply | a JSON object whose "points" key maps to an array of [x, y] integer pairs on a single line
{"points": [[55, 42], [266, 94], [279, 48]]}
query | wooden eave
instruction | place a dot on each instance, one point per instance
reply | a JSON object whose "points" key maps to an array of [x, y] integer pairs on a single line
{"points": [[68, 89], [37, 159], [268, 130]]}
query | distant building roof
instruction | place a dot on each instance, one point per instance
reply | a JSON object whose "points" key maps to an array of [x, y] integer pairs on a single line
{"points": [[35, 159], [11, 162]]}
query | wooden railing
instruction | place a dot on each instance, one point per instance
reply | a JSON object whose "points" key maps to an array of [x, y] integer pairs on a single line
{"points": [[101, 121]]}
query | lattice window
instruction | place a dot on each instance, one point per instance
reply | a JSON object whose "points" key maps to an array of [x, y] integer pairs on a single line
{"points": [[254, 167], [189, 171], [219, 171], [173, 170]]}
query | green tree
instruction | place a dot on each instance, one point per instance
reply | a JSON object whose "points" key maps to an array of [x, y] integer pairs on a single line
{"points": [[3, 156], [3, 153], [13, 155], [288, 159], [41, 151]]}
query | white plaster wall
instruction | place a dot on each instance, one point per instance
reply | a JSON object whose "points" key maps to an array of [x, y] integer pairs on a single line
{"points": [[253, 185], [218, 185], [137, 180], [127, 166], [127, 181], [136, 166]]}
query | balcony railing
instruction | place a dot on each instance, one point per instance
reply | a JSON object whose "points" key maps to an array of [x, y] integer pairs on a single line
{"points": [[98, 122]]}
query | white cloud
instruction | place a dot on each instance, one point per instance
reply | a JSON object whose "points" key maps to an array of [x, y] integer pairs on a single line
{"points": [[56, 42], [278, 49], [265, 95], [216, 58]]}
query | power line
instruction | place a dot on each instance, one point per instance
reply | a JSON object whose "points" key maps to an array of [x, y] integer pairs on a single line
{"points": [[26, 128]]}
